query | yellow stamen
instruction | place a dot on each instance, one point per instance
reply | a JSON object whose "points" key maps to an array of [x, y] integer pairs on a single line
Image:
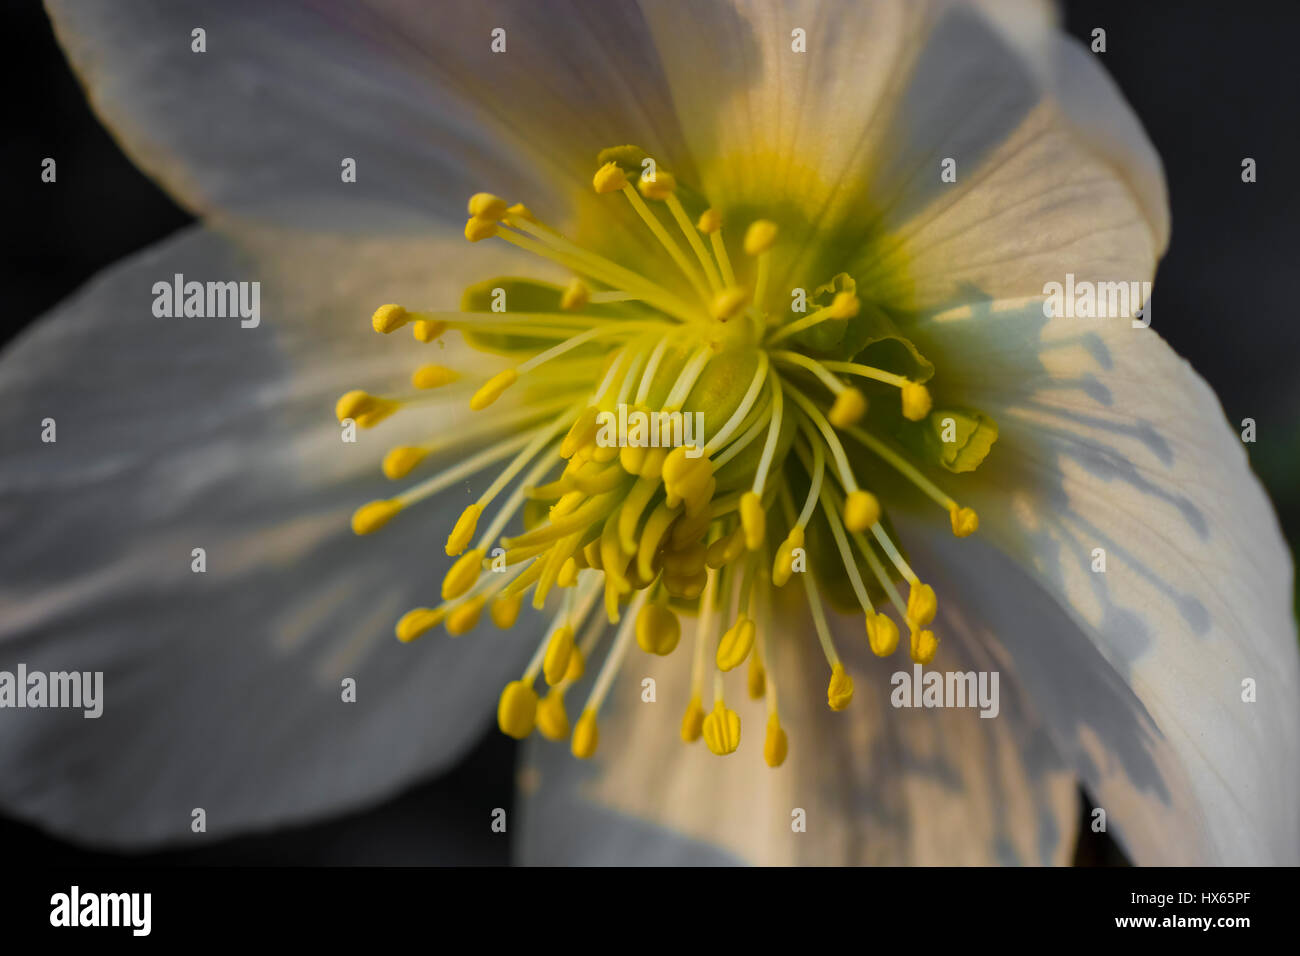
{"points": [[363, 408], [464, 617], [735, 644], [850, 405], [433, 376], [657, 630], [576, 296], [609, 178], [660, 187], [916, 401], [417, 621], [775, 744], [753, 519], [463, 532], [558, 651], [882, 634], [839, 692], [728, 303], [924, 645], [462, 575], [427, 330], [586, 735], [552, 720], [487, 206], [478, 229], [965, 522], [389, 318], [760, 237], [861, 510], [400, 460], [693, 721], [491, 389], [374, 515], [722, 730], [922, 605], [517, 709]]}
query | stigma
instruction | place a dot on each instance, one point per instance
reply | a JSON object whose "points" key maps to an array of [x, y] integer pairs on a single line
{"points": [[619, 538]]}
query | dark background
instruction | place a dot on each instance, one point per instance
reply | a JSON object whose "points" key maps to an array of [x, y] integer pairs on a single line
{"points": [[1213, 82]]}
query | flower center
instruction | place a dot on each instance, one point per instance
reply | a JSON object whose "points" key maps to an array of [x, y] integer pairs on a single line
{"points": [[625, 529]]}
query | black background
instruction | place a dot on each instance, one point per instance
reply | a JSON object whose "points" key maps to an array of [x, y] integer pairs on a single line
{"points": [[1213, 82]]}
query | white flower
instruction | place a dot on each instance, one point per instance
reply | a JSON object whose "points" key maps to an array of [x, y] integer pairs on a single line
{"points": [[222, 689]]}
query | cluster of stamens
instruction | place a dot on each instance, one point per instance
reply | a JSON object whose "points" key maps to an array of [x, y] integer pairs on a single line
{"points": [[621, 541]]}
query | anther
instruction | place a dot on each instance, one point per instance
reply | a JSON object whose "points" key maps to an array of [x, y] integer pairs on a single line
{"points": [[840, 689], [882, 634], [775, 744], [585, 736], [609, 178], [850, 405], [400, 460], [760, 237], [432, 376], [487, 206], [576, 296], [722, 730], [965, 522], [916, 401], [861, 510], [517, 709], [478, 229], [374, 515], [492, 389], [389, 318]]}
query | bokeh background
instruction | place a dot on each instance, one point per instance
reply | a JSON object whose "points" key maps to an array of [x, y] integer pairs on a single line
{"points": [[1212, 82]]}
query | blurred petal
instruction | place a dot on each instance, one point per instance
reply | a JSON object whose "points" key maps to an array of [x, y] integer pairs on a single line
{"points": [[222, 690], [878, 785], [1109, 441], [260, 123]]}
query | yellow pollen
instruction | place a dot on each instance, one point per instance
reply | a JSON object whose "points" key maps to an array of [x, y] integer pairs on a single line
{"points": [[924, 645], [505, 611], [916, 401], [389, 318], [463, 574], [585, 736], [662, 186], [840, 690], [753, 520], [461, 534], [921, 605], [965, 522], [882, 634], [735, 644], [576, 296], [492, 389], [861, 510], [417, 621], [400, 460], [428, 330], [610, 178], [775, 743], [517, 709], [558, 651], [657, 630], [478, 229], [850, 405], [710, 222], [486, 206], [374, 515], [760, 237], [552, 719], [722, 730], [728, 303], [693, 720], [464, 617]]}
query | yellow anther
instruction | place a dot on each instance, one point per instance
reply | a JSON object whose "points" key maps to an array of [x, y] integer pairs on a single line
{"points": [[416, 621], [433, 376], [464, 617], [916, 401], [710, 222], [576, 296], [558, 651], [882, 634], [722, 730], [463, 574], [753, 520], [679, 464], [840, 690], [760, 236], [775, 744], [374, 515], [568, 503], [581, 433], [517, 709], [728, 303], [428, 330], [783, 565], [657, 629], [661, 187], [686, 561], [850, 405], [492, 389], [725, 550], [693, 721], [568, 575], [585, 736], [965, 522], [735, 644], [505, 610], [400, 460], [921, 605], [756, 678], [924, 644], [861, 510], [487, 206], [389, 318], [460, 535], [592, 553], [609, 178], [476, 229], [520, 211], [363, 408], [552, 719], [577, 666], [845, 305]]}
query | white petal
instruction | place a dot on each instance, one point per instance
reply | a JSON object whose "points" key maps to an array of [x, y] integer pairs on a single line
{"points": [[1108, 440], [260, 123], [222, 690], [877, 785]]}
